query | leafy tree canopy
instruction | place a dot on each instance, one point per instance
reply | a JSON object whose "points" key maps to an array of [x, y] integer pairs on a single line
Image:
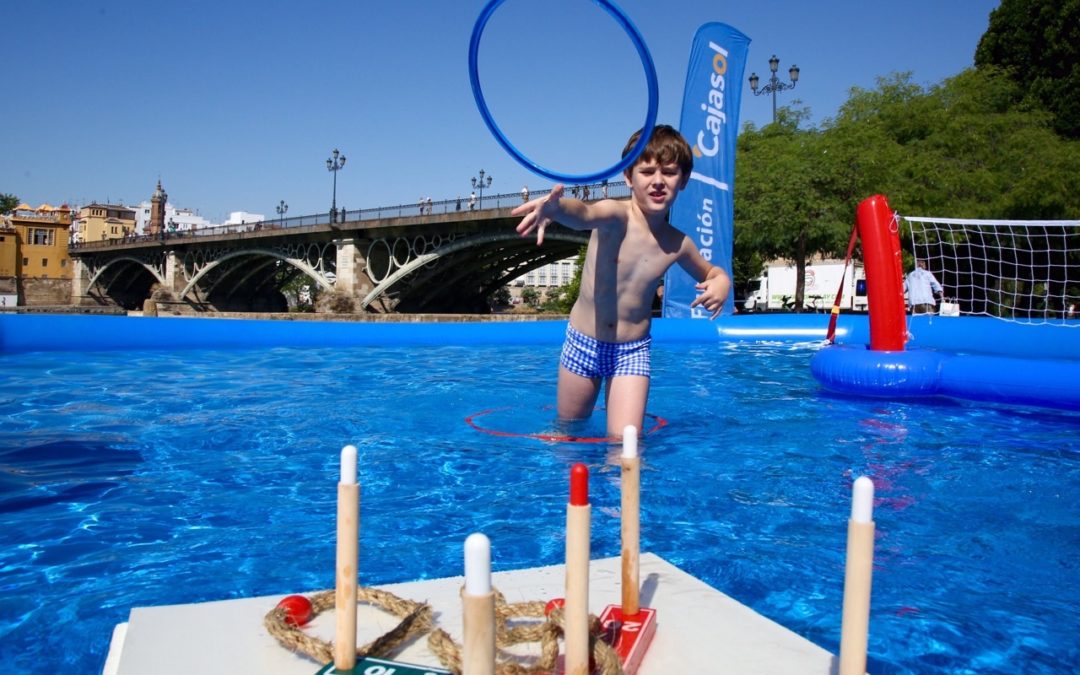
{"points": [[797, 190], [970, 147], [1037, 42], [8, 202], [973, 146]]}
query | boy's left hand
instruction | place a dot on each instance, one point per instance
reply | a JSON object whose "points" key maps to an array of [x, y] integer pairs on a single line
{"points": [[714, 291], [539, 213]]}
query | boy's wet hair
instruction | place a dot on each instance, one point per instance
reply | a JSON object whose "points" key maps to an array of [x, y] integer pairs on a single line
{"points": [[666, 146]]}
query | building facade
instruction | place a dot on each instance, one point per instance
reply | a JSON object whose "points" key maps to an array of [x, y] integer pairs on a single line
{"points": [[9, 267], [554, 274], [97, 222], [244, 218], [35, 268], [176, 219], [157, 214]]}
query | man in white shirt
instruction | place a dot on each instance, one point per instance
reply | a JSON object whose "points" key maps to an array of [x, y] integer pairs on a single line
{"points": [[922, 289]]}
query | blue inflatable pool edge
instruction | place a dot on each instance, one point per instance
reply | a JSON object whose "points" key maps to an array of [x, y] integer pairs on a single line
{"points": [[71, 332], [856, 370]]}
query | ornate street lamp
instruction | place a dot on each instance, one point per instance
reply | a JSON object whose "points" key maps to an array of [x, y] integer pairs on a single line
{"points": [[774, 84], [282, 208], [478, 184], [335, 164]]}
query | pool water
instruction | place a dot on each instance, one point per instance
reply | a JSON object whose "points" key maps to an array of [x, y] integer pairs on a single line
{"points": [[146, 478]]}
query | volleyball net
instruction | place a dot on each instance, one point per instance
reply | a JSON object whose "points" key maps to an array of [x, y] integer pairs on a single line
{"points": [[1026, 271]]}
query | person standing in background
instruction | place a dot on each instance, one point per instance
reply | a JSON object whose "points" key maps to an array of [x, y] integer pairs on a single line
{"points": [[923, 289]]}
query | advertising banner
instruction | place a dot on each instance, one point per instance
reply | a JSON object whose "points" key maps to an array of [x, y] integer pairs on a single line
{"points": [[710, 122]]}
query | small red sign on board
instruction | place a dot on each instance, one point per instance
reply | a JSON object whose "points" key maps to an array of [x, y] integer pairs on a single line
{"points": [[629, 636]]}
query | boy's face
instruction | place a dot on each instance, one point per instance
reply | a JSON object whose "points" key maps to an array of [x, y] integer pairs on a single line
{"points": [[654, 186]]}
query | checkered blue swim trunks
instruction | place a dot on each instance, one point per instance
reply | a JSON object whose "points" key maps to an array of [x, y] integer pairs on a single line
{"points": [[589, 357]]}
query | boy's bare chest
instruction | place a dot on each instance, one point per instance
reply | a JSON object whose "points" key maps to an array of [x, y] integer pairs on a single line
{"points": [[635, 245], [637, 253]]}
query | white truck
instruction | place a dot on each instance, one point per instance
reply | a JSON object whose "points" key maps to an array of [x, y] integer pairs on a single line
{"points": [[775, 290]]}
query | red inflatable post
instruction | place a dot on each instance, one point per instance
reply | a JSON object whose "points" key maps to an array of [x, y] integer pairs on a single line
{"points": [[878, 230]]}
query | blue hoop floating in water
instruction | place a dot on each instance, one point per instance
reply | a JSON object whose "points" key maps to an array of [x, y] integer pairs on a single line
{"points": [[574, 179]]}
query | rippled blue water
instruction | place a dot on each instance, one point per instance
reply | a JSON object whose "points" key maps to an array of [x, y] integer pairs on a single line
{"points": [[144, 478]]}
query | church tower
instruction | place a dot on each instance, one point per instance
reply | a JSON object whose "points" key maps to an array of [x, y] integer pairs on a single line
{"points": [[157, 211]]}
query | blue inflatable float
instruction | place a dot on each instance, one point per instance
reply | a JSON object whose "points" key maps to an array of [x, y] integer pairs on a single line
{"points": [[855, 369]]}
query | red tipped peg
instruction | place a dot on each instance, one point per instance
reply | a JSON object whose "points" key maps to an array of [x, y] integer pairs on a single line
{"points": [[579, 485]]}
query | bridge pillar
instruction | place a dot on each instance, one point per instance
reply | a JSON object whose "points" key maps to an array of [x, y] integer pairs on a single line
{"points": [[174, 274], [351, 279], [80, 281], [166, 297]]}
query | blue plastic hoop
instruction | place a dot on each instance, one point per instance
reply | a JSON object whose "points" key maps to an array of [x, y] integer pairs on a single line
{"points": [[573, 179]]}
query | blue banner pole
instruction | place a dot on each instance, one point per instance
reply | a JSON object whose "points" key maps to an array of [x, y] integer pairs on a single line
{"points": [[710, 123]]}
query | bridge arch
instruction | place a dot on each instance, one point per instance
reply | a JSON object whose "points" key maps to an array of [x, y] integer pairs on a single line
{"points": [[96, 276], [207, 270], [455, 246]]}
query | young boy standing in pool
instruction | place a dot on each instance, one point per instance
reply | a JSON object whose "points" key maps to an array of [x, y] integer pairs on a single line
{"points": [[631, 247]]}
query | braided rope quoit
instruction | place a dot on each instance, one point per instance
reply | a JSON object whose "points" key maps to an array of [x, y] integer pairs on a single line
{"points": [[416, 620], [545, 630]]}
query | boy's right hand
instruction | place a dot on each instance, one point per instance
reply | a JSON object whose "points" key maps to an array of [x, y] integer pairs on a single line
{"points": [[539, 213]]}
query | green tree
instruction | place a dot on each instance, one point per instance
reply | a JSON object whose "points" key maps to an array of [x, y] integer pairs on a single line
{"points": [[793, 196], [969, 147], [1037, 42], [8, 202], [1000, 157], [530, 296], [561, 300]]}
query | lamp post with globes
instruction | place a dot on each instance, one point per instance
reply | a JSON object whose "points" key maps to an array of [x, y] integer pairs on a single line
{"points": [[478, 184], [282, 208], [335, 164], [774, 85]]}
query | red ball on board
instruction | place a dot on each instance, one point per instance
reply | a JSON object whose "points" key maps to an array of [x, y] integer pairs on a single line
{"points": [[297, 609]]}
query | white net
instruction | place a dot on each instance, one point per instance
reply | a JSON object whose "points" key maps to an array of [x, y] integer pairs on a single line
{"points": [[1026, 271]]}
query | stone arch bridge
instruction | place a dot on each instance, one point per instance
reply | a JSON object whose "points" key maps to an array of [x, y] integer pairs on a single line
{"points": [[381, 262]]}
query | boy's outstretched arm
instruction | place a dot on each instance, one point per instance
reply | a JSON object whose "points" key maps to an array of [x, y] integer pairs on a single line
{"points": [[573, 213], [714, 291]]}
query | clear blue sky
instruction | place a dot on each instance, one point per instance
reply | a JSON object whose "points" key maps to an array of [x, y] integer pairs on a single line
{"points": [[236, 105]]}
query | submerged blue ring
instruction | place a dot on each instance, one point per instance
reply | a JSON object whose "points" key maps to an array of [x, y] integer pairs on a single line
{"points": [[650, 116]]}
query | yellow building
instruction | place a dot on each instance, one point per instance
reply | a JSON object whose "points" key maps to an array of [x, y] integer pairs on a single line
{"points": [[97, 222], [9, 248], [34, 261], [9, 268]]}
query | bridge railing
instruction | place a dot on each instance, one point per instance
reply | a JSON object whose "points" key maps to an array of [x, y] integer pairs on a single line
{"points": [[495, 201], [614, 189]]}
